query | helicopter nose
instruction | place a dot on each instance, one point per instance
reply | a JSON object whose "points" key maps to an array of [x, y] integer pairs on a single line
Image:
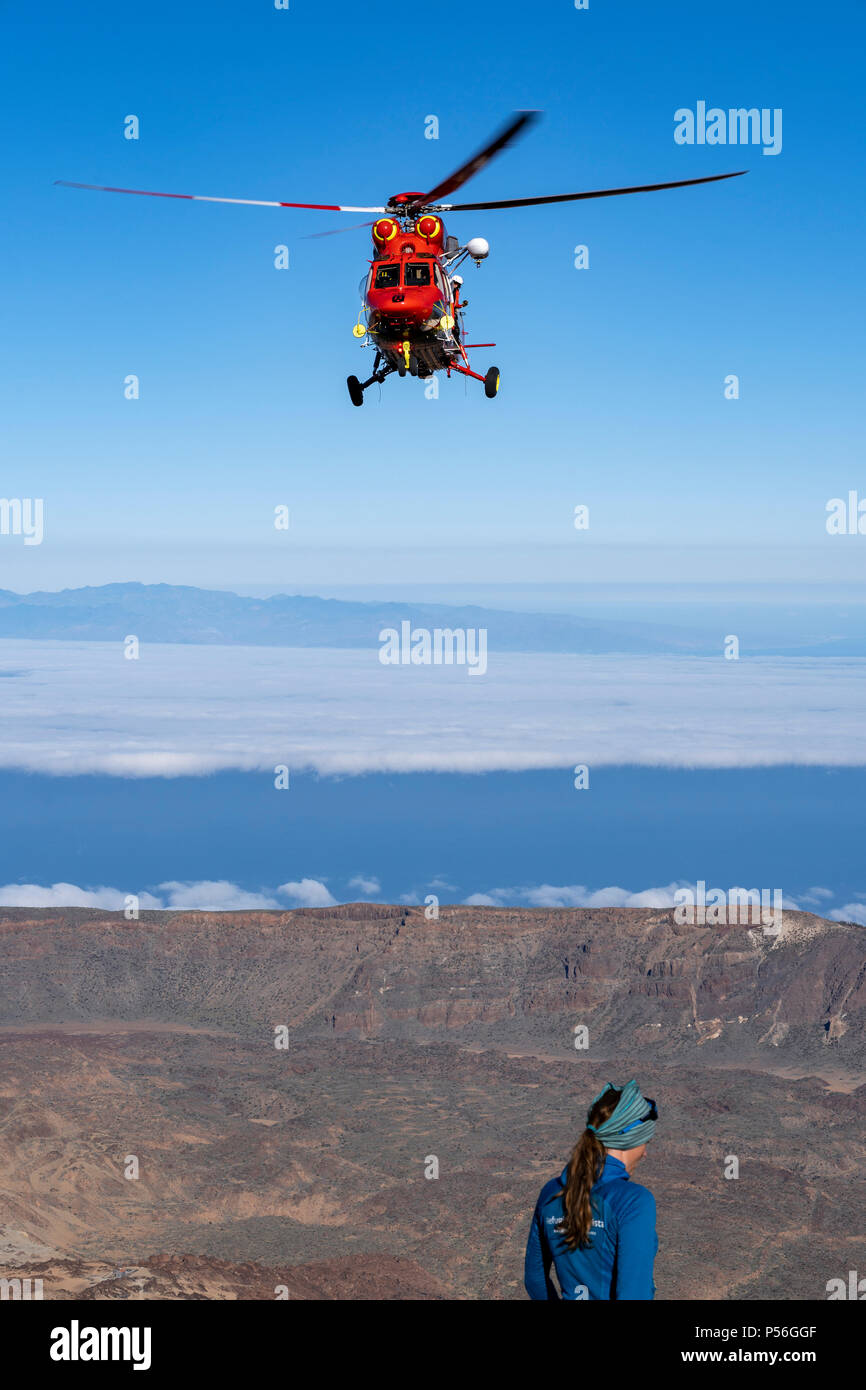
{"points": [[405, 312]]}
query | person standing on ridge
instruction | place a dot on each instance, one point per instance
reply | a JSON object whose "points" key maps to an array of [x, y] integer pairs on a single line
{"points": [[593, 1224]]}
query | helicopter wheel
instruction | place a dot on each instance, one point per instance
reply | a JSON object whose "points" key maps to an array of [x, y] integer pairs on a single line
{"points": [[491, 382], [356, 390]]}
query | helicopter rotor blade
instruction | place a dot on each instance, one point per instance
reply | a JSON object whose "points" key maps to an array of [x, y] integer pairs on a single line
{"points": [[574, 197], [335, 231], [202, 198], [483, 157]]}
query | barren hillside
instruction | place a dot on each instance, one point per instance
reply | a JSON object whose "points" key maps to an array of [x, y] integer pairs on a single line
{"points": [[304, 1166]]}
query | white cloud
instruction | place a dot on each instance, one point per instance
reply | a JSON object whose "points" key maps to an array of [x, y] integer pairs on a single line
{"points": [[210, 895], [309, 892], [814, 897], [851, 912], [220, 895], [547, 895], [74, 707], [69, 895], [206, 895], [576, 895], [365, 885]]}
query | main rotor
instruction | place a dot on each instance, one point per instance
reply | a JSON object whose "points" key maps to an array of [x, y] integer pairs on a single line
{"points": [[412, 203]]}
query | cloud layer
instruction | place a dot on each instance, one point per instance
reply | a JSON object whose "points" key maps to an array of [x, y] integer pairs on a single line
{"points": [[208, 895], [575, 895], [80, 707]]}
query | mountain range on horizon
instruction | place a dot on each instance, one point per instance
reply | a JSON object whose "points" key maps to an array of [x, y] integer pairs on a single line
{"points": [[172, 613]]}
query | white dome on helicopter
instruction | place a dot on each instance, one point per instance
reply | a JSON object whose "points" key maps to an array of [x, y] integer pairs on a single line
{"points": [[478, 248]]}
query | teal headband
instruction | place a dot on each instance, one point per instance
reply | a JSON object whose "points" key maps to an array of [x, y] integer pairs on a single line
{"points": [[629, 1124]]}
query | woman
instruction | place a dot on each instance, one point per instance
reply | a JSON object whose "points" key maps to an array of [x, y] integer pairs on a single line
{"points": [[594, 1225]]}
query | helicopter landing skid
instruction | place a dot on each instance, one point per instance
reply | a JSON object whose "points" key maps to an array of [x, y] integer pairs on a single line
{"points": [[357, 388], [491, 380]]}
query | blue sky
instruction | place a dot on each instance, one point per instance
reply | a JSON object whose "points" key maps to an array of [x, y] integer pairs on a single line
{"points": [[612, 396], [212, 842], [612, 388]]}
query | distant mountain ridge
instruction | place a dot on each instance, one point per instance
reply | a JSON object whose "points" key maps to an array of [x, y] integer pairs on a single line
{"points": [[179, 613], [505, 976], [182, 613]]}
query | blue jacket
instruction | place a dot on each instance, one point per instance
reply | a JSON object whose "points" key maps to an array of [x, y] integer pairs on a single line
{"points": [[617, 1264]]}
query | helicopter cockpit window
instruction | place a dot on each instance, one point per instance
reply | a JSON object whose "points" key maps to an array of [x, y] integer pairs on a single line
{"points": [[416, 273], [387, 277]]}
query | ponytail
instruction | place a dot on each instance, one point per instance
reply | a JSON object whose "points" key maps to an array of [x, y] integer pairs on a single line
{"points": [[584, 1169]]}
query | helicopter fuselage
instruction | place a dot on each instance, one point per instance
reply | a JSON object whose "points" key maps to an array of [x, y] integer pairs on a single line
{"points": [[409, 297]]}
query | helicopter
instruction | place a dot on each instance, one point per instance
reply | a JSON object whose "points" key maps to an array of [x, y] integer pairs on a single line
{"points": [[411, 296]]}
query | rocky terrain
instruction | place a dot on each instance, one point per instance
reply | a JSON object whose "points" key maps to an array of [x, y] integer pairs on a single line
{"points": [[148, 1048]]}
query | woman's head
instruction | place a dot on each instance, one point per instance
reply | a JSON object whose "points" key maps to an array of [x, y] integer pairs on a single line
{"points": [[632, 1122], [620, 1121]]}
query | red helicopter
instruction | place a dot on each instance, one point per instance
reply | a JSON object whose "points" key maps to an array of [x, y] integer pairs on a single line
{"points": [[411, 296]]}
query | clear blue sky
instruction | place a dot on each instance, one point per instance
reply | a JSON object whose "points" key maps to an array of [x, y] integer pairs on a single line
{"points": [[612, 378]]}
